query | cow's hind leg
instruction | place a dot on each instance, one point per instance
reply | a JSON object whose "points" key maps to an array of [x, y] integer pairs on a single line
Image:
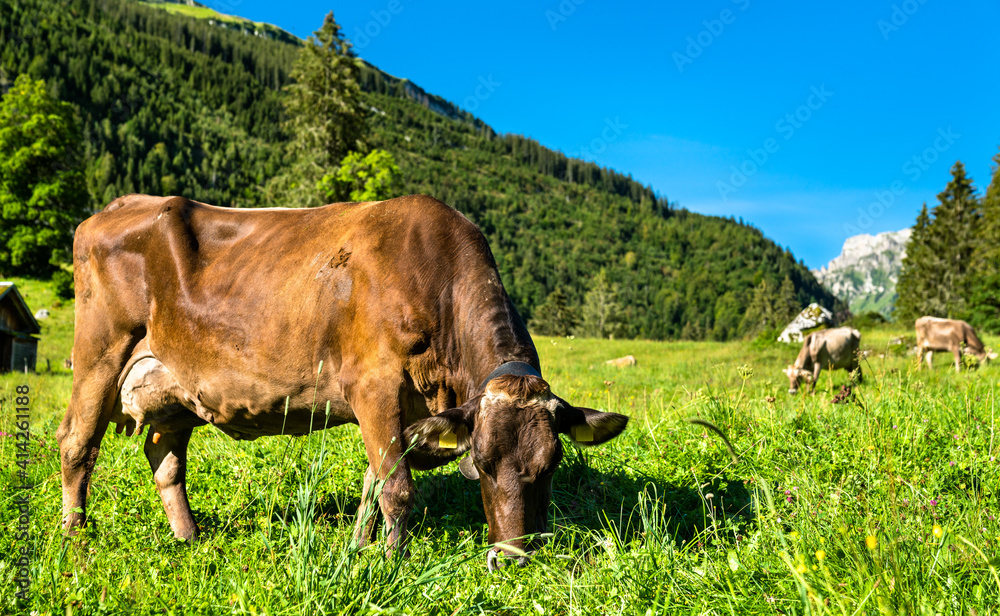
{"points": [[167, 455], [87, 418]]}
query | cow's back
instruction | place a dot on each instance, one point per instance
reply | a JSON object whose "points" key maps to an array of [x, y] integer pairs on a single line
{"points": [[243, 305], [937, 334], [835, 348]]}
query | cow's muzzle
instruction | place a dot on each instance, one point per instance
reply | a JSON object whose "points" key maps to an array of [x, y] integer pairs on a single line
{"points": [[497, 559]]}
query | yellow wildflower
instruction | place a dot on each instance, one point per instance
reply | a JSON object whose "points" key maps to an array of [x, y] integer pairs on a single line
{"points": [[871, 541]]}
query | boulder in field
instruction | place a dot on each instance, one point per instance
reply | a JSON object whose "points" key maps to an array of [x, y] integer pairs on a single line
{"points": [[812, 318], [622, 362]]}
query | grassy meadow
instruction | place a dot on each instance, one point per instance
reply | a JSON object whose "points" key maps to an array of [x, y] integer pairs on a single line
{"points": [[884, 504]]}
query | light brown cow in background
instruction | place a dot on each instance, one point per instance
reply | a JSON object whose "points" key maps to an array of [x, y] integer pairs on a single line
{"points": [[934, 334], [827, 348]]}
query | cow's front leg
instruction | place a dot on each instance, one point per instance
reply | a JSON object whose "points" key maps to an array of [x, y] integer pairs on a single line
{"points": [[381, 424], [396, 496], [817, 368], [367, 520], [167, 455], [958, 359]]}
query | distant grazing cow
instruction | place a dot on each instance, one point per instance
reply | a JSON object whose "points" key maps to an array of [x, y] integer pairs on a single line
{"points": [[827, 348], [622, 362], [189, 314], [934, 334]]}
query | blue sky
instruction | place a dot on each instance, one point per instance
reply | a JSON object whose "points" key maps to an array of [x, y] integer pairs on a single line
{"points": [[813, 121]]}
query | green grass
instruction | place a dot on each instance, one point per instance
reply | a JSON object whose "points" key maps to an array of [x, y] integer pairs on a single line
{"points": [[658, 521]]}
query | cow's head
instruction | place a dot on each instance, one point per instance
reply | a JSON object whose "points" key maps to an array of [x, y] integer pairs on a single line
{"points": [[794, 376], [511, 432]]}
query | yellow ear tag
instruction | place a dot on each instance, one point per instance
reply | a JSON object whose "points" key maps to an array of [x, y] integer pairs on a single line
{"points": [[582, 433], [448, 440]]}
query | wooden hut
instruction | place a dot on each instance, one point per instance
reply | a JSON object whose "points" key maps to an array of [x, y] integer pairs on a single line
{"points": [[18, 328]]}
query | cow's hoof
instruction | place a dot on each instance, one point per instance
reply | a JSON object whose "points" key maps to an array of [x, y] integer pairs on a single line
{"points": [[496, 560]]}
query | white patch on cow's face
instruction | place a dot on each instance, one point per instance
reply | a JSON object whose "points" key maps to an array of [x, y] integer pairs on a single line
{"points": [[494, 396], [794, 375]]}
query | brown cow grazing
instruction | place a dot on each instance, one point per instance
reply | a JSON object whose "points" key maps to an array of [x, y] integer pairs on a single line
{"points": [[827, 348], [958, 337], [188, 314]]}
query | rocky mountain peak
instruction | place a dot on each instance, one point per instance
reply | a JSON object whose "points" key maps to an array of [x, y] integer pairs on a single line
{"points": [[865, 273]]}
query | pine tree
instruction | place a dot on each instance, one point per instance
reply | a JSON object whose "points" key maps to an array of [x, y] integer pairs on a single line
{"points": [[555, 317], [984, 274], [326, 114], [913, 286], [601, 311], [934, 278], [956, 224], [43, 194], [787, 306], [760, 314]]}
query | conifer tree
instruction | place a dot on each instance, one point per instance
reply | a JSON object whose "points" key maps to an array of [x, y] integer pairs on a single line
{"points": [[787, 306], [984, 283], [916, 276], [956, 217], [555, 317], [760, 314], [601, 311], [934, 278], [326, 114]]}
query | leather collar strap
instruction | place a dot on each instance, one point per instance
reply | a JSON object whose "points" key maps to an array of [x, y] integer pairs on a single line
{"points": [[517, 368]]}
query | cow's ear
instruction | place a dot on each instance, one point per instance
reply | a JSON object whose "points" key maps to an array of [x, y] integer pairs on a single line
{"points": [[589, 427], [443, 435]]}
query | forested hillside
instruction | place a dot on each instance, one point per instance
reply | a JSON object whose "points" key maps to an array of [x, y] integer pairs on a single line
{"points": [[171, 104]]}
